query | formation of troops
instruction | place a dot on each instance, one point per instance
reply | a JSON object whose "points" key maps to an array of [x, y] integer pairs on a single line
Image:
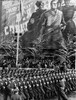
{"points": [[42, 84], [35, 84]]}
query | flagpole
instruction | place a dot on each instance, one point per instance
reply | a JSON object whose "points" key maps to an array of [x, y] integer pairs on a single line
{"points": [[75, 59], [17, 49], [17, 52]]}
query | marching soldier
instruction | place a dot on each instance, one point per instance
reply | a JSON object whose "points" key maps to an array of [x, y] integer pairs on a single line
{"points": [[16, 96]]}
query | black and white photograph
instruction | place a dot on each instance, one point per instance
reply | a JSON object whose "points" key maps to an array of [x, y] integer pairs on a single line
{"points": [[37, 49]]}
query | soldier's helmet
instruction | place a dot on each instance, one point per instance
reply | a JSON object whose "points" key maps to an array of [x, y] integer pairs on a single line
{"points": [[39, 3]]}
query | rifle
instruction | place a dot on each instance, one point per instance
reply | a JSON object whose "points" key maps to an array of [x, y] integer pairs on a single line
{"points": [[50, 31]]}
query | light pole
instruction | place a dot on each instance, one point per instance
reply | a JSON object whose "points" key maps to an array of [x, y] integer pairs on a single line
{"points": [[17, 49], [75, 58], [75, 50], [18, 33]]}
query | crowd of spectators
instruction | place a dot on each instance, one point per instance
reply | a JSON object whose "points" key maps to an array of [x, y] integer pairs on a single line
{"points": [[36, 63], [45, 63]]}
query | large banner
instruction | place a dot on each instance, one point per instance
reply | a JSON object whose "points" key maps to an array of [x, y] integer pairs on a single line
{"points": [[14, 11], [11, 15]]}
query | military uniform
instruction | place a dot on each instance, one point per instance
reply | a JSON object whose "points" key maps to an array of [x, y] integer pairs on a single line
{"points": [[70, 19], [50, 31], [39, 84], [32, 33], [15, 97], [68, 12], [34, 20]]}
